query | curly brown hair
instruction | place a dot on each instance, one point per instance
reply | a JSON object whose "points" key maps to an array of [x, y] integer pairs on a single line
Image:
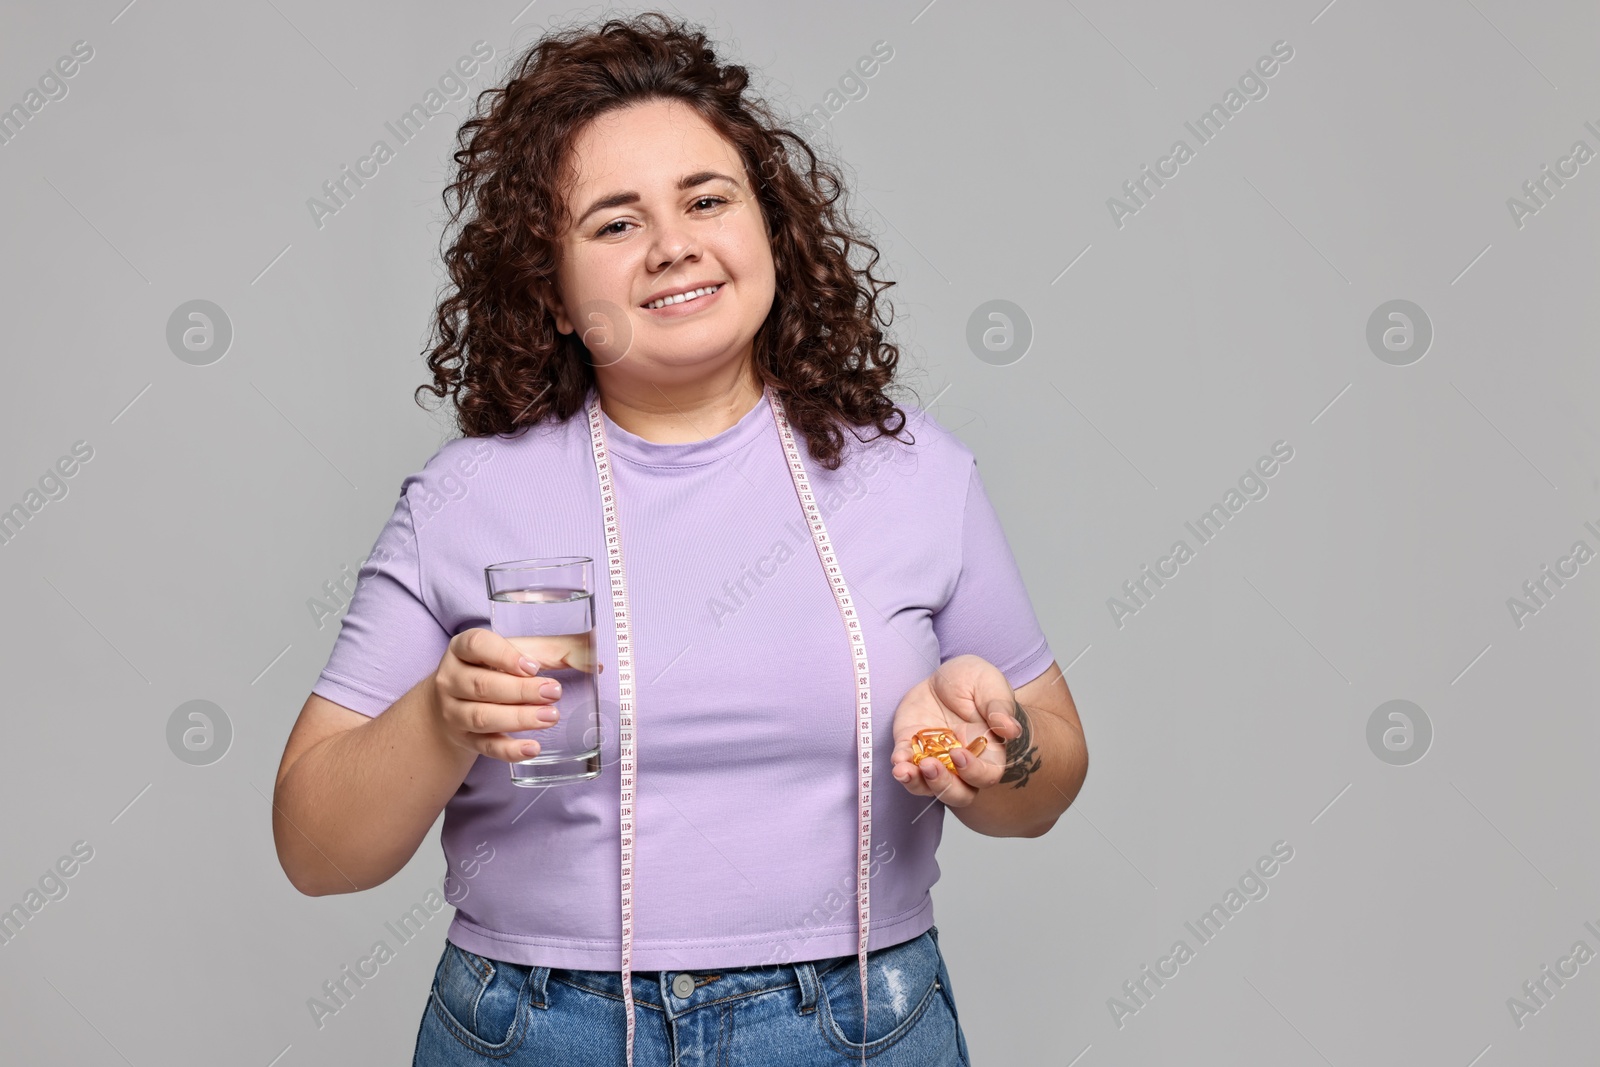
{"points": [[500, 357]]}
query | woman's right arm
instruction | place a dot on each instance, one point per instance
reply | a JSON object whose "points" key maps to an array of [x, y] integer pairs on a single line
{"points": [[355, 795]]}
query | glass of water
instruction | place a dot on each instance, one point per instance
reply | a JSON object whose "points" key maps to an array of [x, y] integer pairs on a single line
{"points": [[546, 608]]}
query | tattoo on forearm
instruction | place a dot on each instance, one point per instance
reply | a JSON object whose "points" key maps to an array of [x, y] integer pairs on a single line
{"points": [[1022, 755]]}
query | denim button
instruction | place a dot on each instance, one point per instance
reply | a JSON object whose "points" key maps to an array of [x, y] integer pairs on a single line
{"points": [[683, 985]]}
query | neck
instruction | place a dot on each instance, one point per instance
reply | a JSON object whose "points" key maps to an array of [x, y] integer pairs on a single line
{"points": [[680, 412]]}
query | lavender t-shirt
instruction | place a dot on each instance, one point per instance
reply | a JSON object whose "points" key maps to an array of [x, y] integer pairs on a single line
{"points": [[745, 710]]}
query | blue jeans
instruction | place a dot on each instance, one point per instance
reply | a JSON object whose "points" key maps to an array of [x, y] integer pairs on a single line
{"points": [[805, 1014]]}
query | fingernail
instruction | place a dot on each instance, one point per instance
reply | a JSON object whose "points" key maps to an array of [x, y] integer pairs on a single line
{"points": [[959, 757], [930, 768], [551, 689], [528, 665], [547, 714], [530, 750]]}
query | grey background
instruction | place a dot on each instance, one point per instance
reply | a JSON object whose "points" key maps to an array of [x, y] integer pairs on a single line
{"points": [[1229, 313]]}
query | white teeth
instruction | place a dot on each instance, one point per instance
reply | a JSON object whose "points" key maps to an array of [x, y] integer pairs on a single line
{"points": [[682, 297]]}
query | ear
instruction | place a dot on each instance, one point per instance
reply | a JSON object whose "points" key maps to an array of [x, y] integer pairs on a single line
{"points": [[546, 293]]}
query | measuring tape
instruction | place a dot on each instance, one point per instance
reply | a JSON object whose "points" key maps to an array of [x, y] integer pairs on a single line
{"points": [[625, 695]]}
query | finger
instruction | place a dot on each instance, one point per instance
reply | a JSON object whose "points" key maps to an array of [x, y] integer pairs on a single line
{"points": [[944, 785], [489, 686], [974, 770], [1004, 725], [1001, 720], [965, 684], [485, 648], [475, 717], [905, 772], [570, 651], [504, 748], [580, 655]]}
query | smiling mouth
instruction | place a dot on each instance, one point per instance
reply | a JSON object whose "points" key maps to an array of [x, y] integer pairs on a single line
{"points": [[682, 298]]}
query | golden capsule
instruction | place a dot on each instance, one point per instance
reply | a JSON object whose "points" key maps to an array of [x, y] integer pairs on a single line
{"points": [[938, 743]]}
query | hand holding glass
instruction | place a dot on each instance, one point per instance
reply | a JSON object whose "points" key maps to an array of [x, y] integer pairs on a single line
{"points": [[545, 607], [486, 699]]}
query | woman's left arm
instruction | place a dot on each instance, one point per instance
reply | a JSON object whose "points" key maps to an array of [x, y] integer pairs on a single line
{"points": [[1018, 788]]}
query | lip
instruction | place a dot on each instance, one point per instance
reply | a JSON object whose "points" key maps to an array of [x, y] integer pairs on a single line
{"points": [[688, 306]]}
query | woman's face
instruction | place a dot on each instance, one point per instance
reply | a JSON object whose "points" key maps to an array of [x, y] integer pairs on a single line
{"points": [[661, 205]]}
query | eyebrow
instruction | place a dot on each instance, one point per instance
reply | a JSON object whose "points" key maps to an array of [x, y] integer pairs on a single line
{"points": [[688, 181]]}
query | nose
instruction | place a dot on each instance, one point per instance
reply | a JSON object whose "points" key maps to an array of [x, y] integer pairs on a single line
{"points": [[673, 244]]}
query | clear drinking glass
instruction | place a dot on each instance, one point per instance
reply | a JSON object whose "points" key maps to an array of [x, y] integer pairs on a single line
{"points": [[546, 608]]}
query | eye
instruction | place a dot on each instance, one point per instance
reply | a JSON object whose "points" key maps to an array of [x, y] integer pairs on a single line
{"points": [[608, 230]]}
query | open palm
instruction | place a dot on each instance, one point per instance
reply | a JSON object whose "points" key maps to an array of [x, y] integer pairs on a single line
{"points": [[970, 697]]}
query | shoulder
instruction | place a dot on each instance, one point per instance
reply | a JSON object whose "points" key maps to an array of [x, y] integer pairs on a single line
{"points": [[447, 473], [463, 459], [922, 444], [477, 471], [934, 436]]}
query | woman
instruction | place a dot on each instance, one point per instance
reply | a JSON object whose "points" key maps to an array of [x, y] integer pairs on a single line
{"points": [[645, 267]]}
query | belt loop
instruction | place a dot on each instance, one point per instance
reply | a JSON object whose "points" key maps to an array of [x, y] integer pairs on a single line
{"points": [[536, 980], [806, 976]]}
